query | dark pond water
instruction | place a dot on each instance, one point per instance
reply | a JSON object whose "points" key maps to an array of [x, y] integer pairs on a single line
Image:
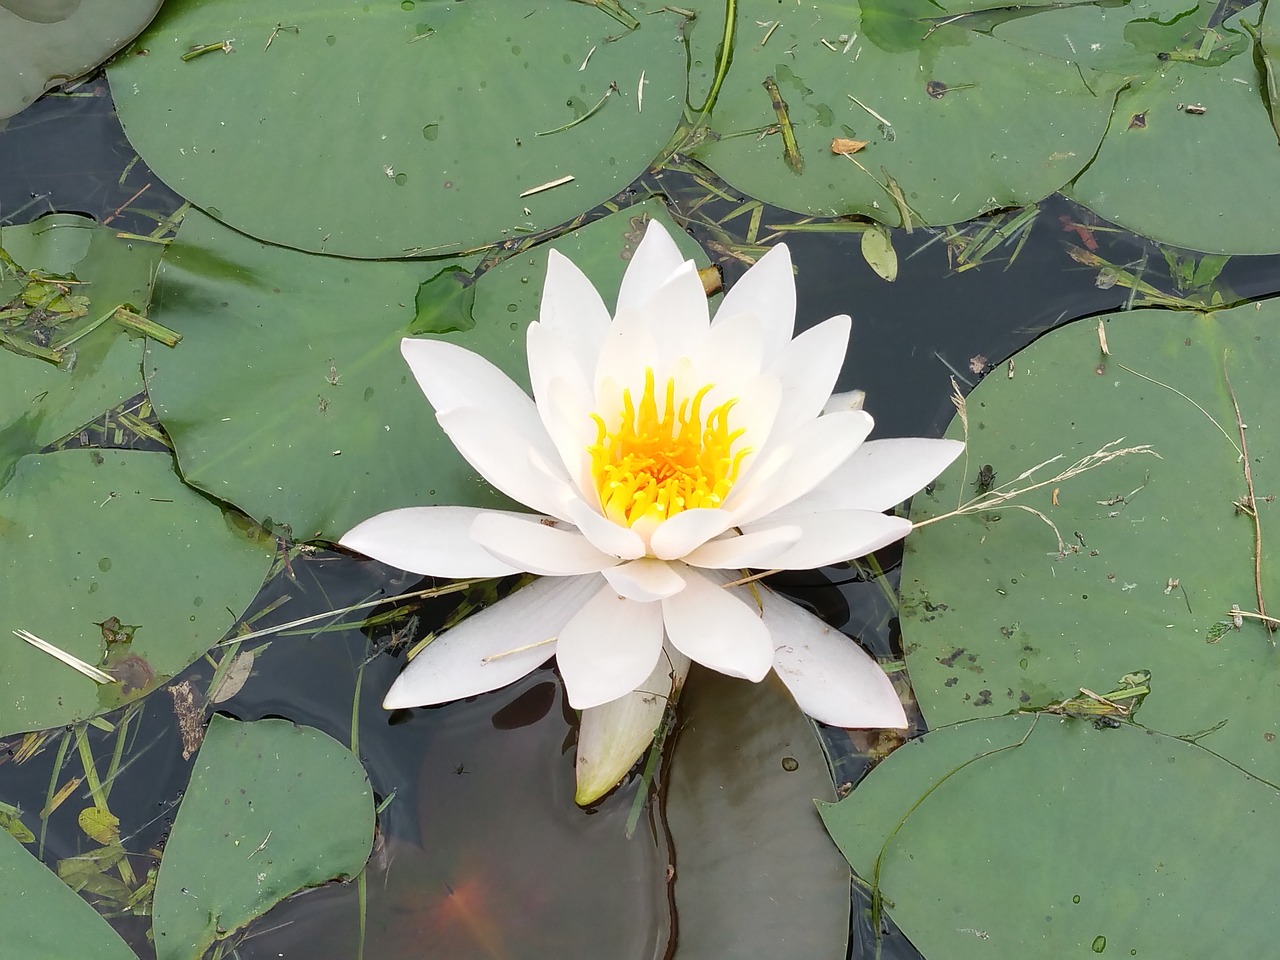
{"points": [[518, 876]]}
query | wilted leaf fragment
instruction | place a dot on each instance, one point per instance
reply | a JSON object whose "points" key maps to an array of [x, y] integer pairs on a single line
{"points": [[272, 808], [844, 146]]}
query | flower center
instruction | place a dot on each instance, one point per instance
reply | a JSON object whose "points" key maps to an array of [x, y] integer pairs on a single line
{"points": [[659, 462]]}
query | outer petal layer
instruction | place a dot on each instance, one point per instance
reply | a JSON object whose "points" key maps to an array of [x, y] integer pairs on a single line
{"points": [[496, 646], [571, 306], [654, 260], [432, 541], [830, 676], [645, 580], [808, 367], [452, 376], [535, 544], [798, 464], [608, 648], [613, 736], [879, 474], [504, 456], [835, 536], [767, 290], [707, 623]]}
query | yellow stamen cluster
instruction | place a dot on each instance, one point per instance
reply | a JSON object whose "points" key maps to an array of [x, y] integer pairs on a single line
{"points": [[658, 463]]}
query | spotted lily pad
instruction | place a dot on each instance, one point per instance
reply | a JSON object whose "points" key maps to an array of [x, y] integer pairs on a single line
{"points": [[998, 616], [374, 131]]}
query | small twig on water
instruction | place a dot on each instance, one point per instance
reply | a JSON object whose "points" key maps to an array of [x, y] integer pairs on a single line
{"points": [[1249, 504]]}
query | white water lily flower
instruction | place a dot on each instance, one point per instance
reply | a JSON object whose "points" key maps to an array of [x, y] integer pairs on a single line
{"points": [[662, 453]]}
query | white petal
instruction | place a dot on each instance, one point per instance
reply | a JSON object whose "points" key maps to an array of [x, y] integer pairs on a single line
{"points": [[454, 377], [735, 551], [849, 400], [571, 306], [810, 454], [731, 353], [831, 677], [608, 648], [432, 541], [645, 579], [655, 259], [551, 357], [494, 647], [808, 368], [713, 626], [617, 541], [767, 290], [627, 353], [675, 537], [880, 474], [677, 312], [501, 453], [755, 411], [535, 544], [613, 736], [833, 536], [566, 416]]}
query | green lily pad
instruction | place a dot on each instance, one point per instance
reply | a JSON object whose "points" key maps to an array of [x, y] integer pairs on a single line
{"points": [[1078, 841], [966, 108], [272, 808], [756, 876], [465, 108], [288, 395], [87, 536], [1171, 136], [43, 401], [45, 919], [44, 43], [948, 119], [1157, 551]]}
